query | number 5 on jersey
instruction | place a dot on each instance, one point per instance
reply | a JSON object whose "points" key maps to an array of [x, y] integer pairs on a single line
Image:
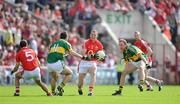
{"points": [[29, 56]]}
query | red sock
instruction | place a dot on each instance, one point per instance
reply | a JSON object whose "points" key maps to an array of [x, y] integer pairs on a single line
{"points": [[91, 89], [17, 90]]}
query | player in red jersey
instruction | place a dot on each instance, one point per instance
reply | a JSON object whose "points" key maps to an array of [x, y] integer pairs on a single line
{"points": [[90, 47], [143, 45], [30, 63]]}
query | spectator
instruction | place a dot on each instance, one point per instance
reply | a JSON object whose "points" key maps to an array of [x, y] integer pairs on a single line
{"points": [[47, 12], [160, 18], [116, 6], [8, 35], [24, 5], [38, 12], [178, 26], [33, 44], [56, 14], [106, 4]]}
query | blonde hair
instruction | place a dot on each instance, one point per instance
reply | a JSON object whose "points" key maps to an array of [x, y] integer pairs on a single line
{"points": [[123, 40]]}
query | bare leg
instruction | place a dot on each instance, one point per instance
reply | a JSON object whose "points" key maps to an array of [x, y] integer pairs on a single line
{"points": [[92, 72], [128, 69], [81, 80], [68, 75], [43, 86], [54, 79], [18, 76], [151, 79], [148, 85], [154, 80]]}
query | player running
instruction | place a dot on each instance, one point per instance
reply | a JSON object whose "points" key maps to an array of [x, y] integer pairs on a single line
{"points": [[91, 47], [30, 63], [56, 65], [135, 59], [143, 45]]}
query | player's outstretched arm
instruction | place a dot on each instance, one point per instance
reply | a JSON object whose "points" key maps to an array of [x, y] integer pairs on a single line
{"points": [[15, 68], [150, 52], [73, 53]]}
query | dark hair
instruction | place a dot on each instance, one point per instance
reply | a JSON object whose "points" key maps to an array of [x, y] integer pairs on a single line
{"points": [[23, 43], [63, 35]]}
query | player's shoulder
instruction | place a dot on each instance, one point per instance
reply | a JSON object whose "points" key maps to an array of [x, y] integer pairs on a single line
{"points": [[132, 47], [98, 41], [87, 40], [144, 41]]}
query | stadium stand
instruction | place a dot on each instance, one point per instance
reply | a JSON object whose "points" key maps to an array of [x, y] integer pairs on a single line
{"points": [[41, 21]]}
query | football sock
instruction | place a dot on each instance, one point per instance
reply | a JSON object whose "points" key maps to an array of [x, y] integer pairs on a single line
{"points": [[147, 84], [120, 88], [17, 90], [141, 82], [53, 90], [62, 84], [91, 89]]}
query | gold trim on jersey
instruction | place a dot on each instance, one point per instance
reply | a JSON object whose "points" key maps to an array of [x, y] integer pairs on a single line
{"points": [[134, 57], [57, 49]]}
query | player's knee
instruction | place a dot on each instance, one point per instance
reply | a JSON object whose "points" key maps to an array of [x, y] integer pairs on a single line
{"points": [[69, 72], [93, 74], [141, 68], [38, 82], [124, 73], [18, 76]]}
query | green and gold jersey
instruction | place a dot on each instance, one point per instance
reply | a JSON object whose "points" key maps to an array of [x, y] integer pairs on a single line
{"points": [[133, 53], [57, 51]]}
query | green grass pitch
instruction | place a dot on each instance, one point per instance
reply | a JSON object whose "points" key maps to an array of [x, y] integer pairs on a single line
{"points": [[102, 95]]}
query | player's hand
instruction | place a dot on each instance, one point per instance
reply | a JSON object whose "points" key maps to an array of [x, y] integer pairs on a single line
{"points": [[102, 60], [148, 66], [96, 56], [12, 72], [86, 57]]}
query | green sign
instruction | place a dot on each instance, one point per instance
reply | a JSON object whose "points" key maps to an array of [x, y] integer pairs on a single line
{"points": [[118, 18]]}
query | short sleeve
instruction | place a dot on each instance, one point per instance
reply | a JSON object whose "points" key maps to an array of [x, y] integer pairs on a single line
{"points": [[17, 58], [100, 46], [69, 47]]}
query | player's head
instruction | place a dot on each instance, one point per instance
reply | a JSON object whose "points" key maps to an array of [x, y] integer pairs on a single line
{"points": [[137, 35], [23, 43], [64, 35], [94, 34], [122, 44]]}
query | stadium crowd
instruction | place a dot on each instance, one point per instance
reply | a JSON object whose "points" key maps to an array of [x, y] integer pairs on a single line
{"points": [[76, 16]]}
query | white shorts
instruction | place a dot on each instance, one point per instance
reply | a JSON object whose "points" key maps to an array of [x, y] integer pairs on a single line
{"points": [[139, 64], [56, 67], [34, 74], [150, 63], [85, 66]]}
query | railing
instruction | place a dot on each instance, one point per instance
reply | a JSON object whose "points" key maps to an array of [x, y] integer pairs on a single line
{"points": [[105, 76]]}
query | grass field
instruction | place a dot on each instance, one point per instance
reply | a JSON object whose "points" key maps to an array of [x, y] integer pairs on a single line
{"points": [[131, 95]]}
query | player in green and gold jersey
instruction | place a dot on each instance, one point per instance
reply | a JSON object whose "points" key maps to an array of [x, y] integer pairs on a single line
{"points": [[135, 59], [55, 62]]}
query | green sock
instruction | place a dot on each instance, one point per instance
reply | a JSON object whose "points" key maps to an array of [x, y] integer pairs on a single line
{"points": [[142, 82], [62, 84], [120, 88]]}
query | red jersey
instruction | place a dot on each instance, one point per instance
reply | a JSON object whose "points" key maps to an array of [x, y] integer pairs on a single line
{"points": [[92, 46], [28, 58], [143, 45]]}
